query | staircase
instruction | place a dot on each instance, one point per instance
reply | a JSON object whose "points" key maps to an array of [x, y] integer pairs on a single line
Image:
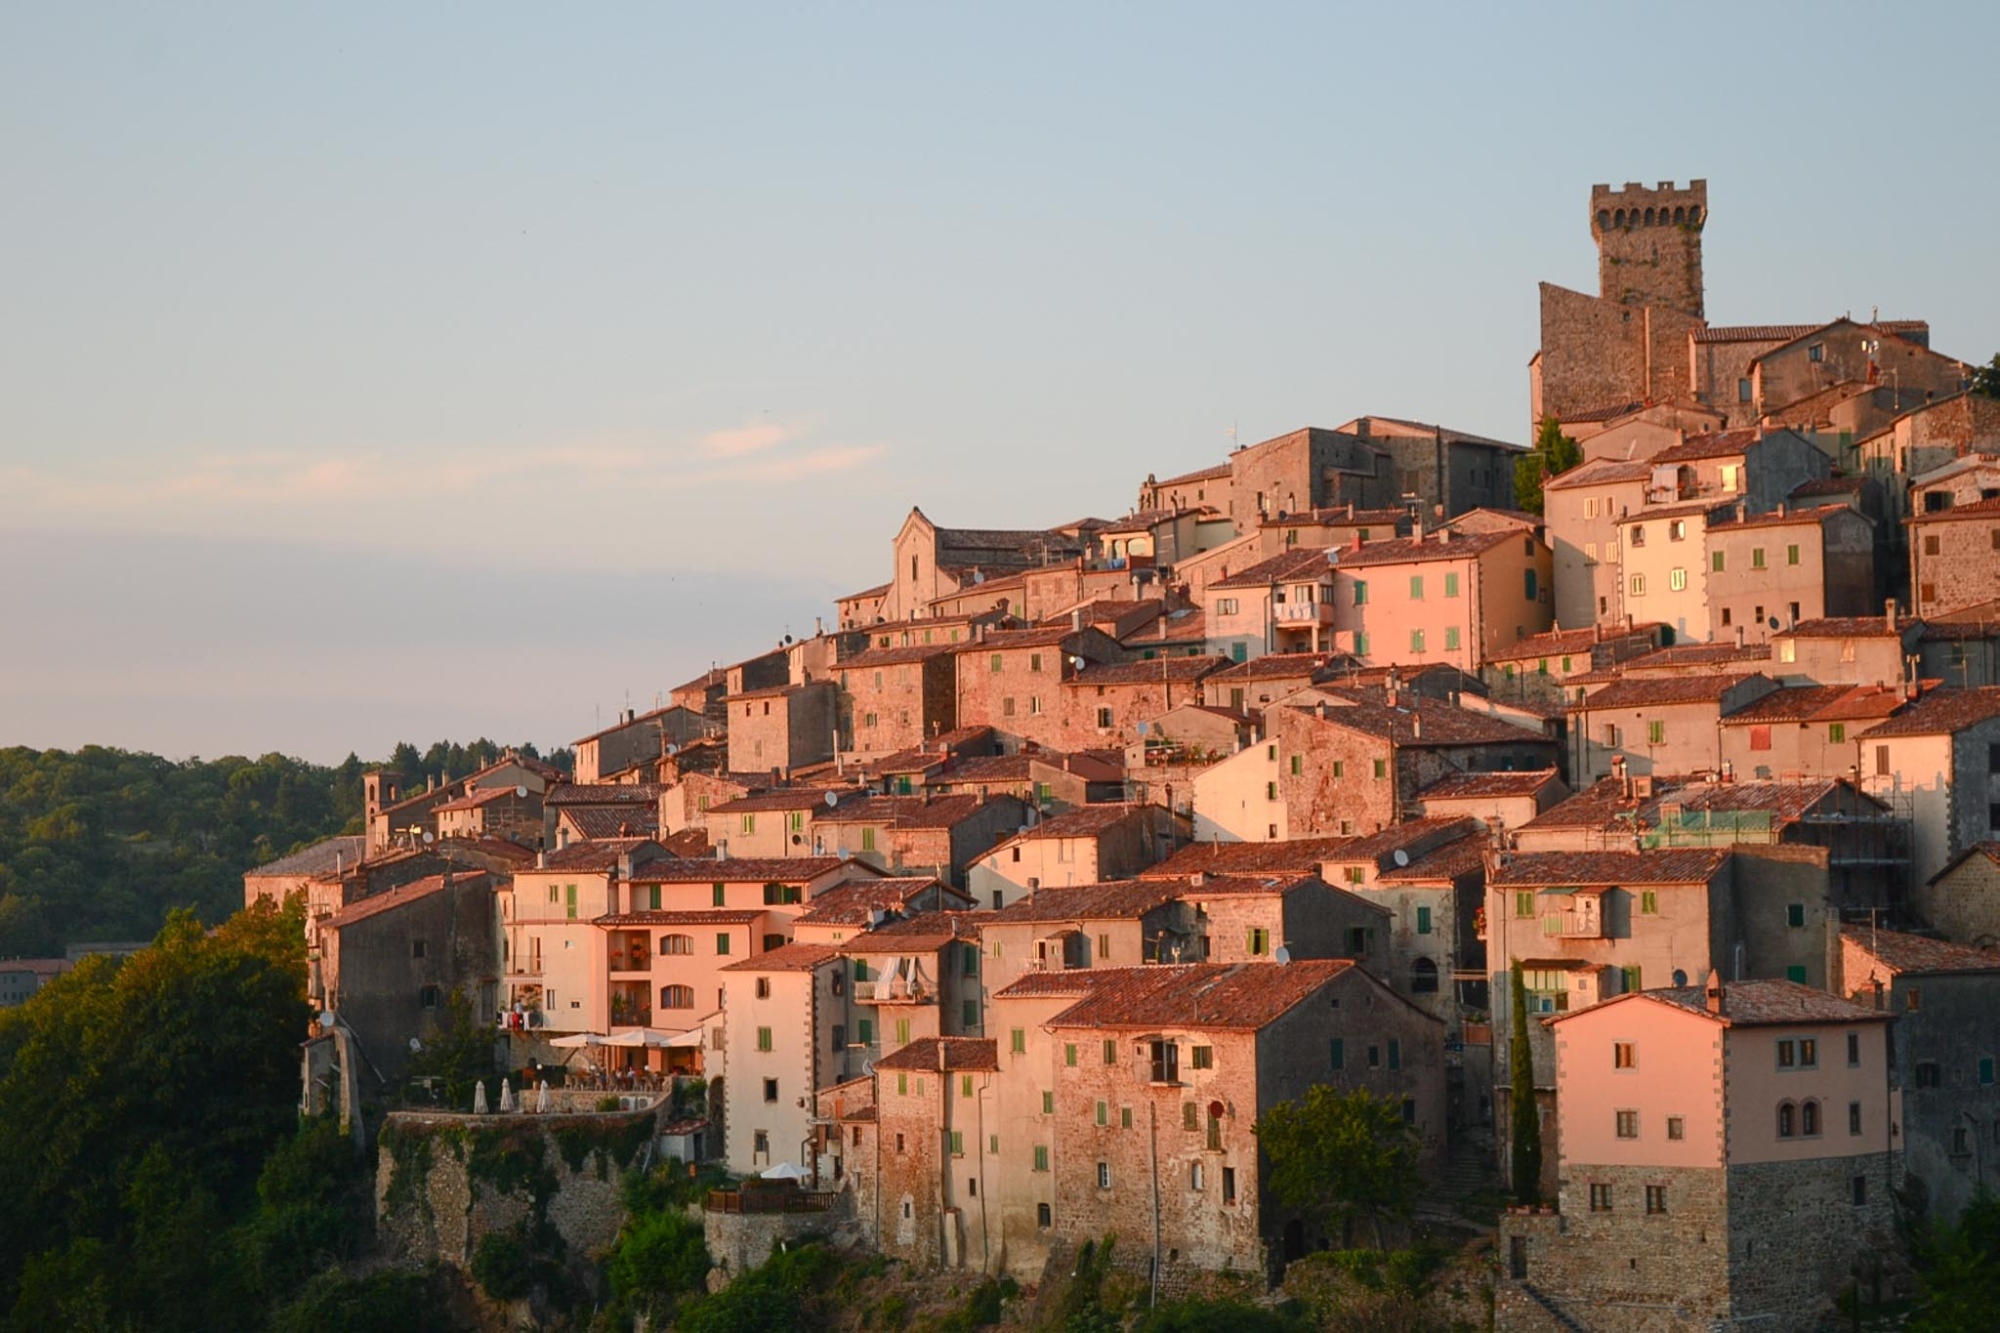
{"points": [[1468, 1168], [1553, 1310]]}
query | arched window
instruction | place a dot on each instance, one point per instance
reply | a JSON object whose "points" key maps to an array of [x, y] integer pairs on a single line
{"points": [[1649, 217], [1603, 219], [1694, 216], [1680, 216], [1809, 1120], [676, 944], [1424, 977], [1619, 218], [676, 997], [1787, 1120]]}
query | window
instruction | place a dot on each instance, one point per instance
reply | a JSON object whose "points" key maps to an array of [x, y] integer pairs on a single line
{"points": [[1017, 1041], [1791, 555], [1715, 561], [1104, 718], [1531, 585], [428, 997], [1104, 1175], [1854, 1117], [1416, 587], [1627, 1124], [1638, 537], [749, 823], [763, 1039], [722, 943], [1859, 1191], [1257, 943], [968, 1014], [569, 900], [1757, 557], [1044, 1218], [1795, 914], [1985, 1070], [1624, 1055], [1229, 1184], [1836, 733], [1451, 638], [1927, 1074], [1124, 1117], [1194, 1175], [760, 1143], [1416, 640], [778, 894], [1600, 1198], [1166, 1061], [1048, 1103], [716, 895], [676, 997], [1451, 585], [1649, 902], [1677, 530], [957, 1142], [1638, 585], [1340, 768], [1360, 643], [1524, 902], [1298, 765], [1203, 1057], [1225, 606], [1374, 1056], [1423, 976], [1816, 352], [1612, 738], [1110, 1051], [1034, 661], [1676, 1127], [1381, 768], [1787, 1120], [1656, 733], [1190, 1116], [1730, 472], [1271, 791], [1069, 1054], [1809, 1119], [1042, 1162], [1423, 921], [1336, 1059], [1656, 1199], [1677, 580], [770, 1090], [1360, 592]]}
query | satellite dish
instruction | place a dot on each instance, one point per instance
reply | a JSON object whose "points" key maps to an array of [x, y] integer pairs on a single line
{"points": [[832, 800], [1401, 857], [1281, 954], [867, 1069], [673, 749], [326, 1018], [416, 1046], [429, 837], [521, 792]]}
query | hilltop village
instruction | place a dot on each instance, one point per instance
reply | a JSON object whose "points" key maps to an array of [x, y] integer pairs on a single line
{"points": [[997, 912]]}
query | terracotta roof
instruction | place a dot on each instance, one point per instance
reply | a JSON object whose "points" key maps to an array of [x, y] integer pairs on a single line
{"points": [[713, 916], [913, 652], [1037, 985], [1115, 900], [906, 812], [604, 793], [853, 903], [614, 821], [1630, 693], [688, 843], [996, 641], [1604, 806], [944, 1054], [1338, 514], [1687, 510], [788, 958], [1606, 413], [1188, 625], [1828, 486], [1713, 444], [738, 870], [1847, 627], [1600, 472], [1200, 474], [1680, 865], [1413, 550], [344, 850], [1443, 723], [600, 854], [784, 798], [1270, 885], [1450, 861], [1287, 567], [1298, 855], [1086, 821], [924, 932], [1793, 704], [1941, 712], [1903, 953], [1433, 829], [1764, 1004], [1803, 516], [879, 590], [1180, 670], [1979, 621], [1474, 786], [1276, 665], [1699, 654], [41, 967], [1200, 996], [716, 676], [402, 896], [1784, 333], [1977, 509]]}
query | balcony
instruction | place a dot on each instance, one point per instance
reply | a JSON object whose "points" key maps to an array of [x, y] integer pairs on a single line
{"points": [[1302, 613], [636, 961], [1578, 923], [899, 991]]}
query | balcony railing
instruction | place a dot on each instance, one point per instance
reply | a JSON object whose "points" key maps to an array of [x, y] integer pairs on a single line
{"points": [[893, 992], [638, 961], [768, 1201], [1574, 925], [1302, 613]]}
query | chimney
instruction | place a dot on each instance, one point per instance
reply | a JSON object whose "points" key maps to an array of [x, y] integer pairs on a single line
{"points": [[1350, 511], [542, 860], [1740, 509], [1713, 991], [1739, 635], [1076, 621], [1197, 879], [819, 626], [1416, 725], [1889, 614], [1362, 427]]}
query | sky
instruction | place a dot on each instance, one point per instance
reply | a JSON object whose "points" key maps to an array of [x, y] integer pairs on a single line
{"points": [[375, 372]]}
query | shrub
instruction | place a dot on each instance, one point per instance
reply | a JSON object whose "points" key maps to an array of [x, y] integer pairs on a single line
{"points": [[502, 1266]]}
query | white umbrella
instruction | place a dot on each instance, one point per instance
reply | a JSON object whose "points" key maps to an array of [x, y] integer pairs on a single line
{"points": [[542, 1097], [507, 1095], [479, 1097], [578, 1040], [786, 1171]]}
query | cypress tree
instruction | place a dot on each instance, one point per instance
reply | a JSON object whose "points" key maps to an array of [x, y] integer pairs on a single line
{"points": [[1526, 1154]]}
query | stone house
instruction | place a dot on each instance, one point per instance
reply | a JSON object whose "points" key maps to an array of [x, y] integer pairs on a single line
{"points": [[1787, 566], [1120, 923], [786, 1019], [686, 801], [1429, 877], [1085, 846], [1942, 1059], [1319, 529], [1582, 508], [1248, 918], [1442, 598], [1953, 553], [1249, 687], [1847, 650], [1297, 856], [779, 822], [1536, 672], [1052, 781], [1160, 1073], [1752, 466], [581, 812], [1727, 1159], [636, 737], [1924, 439], [1846, 351], [782, 728], [1961, 648], [400, 818], [299, 872], [1240, 798], [1010, 679], [931, 562], [894, 698], [1502, 800], [916, 977], [1662, 726], [1104, 704], [940, 835], [1192, 733], [20, 978], [938, 1137], [1803, 731], [513, 812], [1283, 604], [838, 914], [386, 965], [1935, 764], [1356, 766], [1963, 899]]}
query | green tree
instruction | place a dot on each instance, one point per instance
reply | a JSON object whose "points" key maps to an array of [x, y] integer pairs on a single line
{"points": [[459, 1054], [1960, 1269], [1526, 1148], [1986, 378], [1337, 1155], [1552, 454]]}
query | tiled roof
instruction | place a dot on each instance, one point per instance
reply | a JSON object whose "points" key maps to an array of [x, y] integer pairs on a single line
{"points": [[1200, 996], [1384, 844], [1688, 510], [1429, 428], [1941, 712], [1784, 333], [1600, 472], [713, 916], [1115, 900], [1681, 865], [1766, 1004], [853, 903], [402, 896], [1979, 621], [477, 797], [604, 793], [1086, 821], [1338, 514], [1447, 862], [614, 821], [1180, 670], [1977, 509], [1699, 654], [898, 656], [1442, 724], [1629, 693], [788, 958], [1214, 473], [1711, 444], [1189, 625], [1846, 627], [1474, 786], [1605, 413], [944, 1054], [1794, 704], [737, 870], [1279, 665], [1038, 985], [866, 594], [688, 843], [923, 932], [321, 858], [1041, 636], [1295, 856], [1290, 566], [1802, 516], [1023, 540], [717, 676], [1247, 886], [905, 812], [1828, 486], [1412, 550], [602, 854], [1604, 805], [1900, 952], [783, 798]]}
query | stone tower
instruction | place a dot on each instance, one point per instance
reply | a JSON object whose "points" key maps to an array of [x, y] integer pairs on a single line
{"points": [[1649, 244]]}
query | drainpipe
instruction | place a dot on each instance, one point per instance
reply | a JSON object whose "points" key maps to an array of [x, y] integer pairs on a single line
{"points": [[1153, 1156]]}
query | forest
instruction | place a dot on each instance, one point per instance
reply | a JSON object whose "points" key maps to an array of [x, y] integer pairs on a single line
{"points": [[101, 844]]}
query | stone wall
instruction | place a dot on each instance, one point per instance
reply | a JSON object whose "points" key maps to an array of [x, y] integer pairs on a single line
{"points": [[444, 1181]]}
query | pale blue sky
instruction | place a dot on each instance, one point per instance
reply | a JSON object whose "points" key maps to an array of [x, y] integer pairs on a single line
{"points": [[384, 371]]}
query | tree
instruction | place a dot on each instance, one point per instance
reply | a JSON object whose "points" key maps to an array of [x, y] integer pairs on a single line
{"points": [[459, 1054], [1335, 1155], [1526, 1156], [1553, 454], [1986, 378]]}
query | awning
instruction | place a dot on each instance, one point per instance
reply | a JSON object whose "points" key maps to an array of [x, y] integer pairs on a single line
{"points": [[578, 1039], [651, 1038]]}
